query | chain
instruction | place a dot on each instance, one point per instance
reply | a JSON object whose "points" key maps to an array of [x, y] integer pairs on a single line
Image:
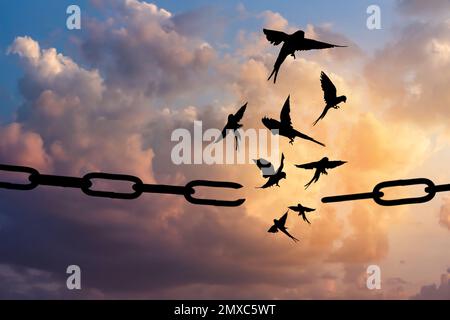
{"points": [[377, 194], [85, 184]]}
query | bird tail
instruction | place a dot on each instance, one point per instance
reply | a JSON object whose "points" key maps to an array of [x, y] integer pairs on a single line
{"points": [[274, 73], [310, 182], [304, 136], [322, 115], [314, 179]]}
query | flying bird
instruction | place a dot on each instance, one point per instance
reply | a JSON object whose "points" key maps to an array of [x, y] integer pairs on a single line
{"points": [[279, 225], [321, 167], [292, 43], [284, 126], [272, 179], [329, 95], [302, 211], [233, 125], [266, 167]]}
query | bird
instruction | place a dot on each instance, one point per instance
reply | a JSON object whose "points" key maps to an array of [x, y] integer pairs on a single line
{"points": [[265, 166], [275, 177], [284, 126], [279, 225], [321, 167], [233, 125], [291, 43], [329, 95], [302, 211]]}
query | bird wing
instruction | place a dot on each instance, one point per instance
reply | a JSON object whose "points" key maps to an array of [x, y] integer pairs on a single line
{"points": [[308, 209], [334, 164], [263, 163], [224, 132], [222, 135], [293, 208], [311, 165], [270, 182], [280, 168], [270, 123], [240, 113], [265, 166], [285, 114], [329, 89], [275, 37], [283, 219], [273, 229], [310, 44]]}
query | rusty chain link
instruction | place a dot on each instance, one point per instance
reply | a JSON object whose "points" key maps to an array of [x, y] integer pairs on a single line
{"points": [[377, 194], [85, 184]]}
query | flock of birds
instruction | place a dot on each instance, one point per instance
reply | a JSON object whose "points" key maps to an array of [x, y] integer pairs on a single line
{"points": [[283, 126]]}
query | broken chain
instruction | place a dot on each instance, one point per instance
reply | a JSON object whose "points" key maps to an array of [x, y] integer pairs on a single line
{"points": [[377, 194], [85, 184]]}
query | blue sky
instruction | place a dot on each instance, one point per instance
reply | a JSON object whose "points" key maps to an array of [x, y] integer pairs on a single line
{"points": [[45, 21], [78, 141]]}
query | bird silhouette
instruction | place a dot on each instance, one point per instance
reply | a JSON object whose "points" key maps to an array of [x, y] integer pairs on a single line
{"points": [[292, 43], [233, 125], [302, 211], [266, 167], [284, 126], [280, 225], [274, 178], [321, 167], [329, 95]]}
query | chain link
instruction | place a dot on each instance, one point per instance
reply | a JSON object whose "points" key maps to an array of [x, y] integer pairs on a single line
{"points": [[18, 186], [377, 194], [138, 187]]}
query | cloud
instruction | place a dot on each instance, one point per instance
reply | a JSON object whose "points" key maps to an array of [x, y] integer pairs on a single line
{"points": [[28, 283], [51, 69], [419, 8], [274, 20], [145, 48], [444, 214], [435, 292], [114, 111], [88, 120], [24, 147], [406, 75]]}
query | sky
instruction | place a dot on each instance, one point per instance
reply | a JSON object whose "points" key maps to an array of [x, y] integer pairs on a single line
{"points": [[107, 98]]}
